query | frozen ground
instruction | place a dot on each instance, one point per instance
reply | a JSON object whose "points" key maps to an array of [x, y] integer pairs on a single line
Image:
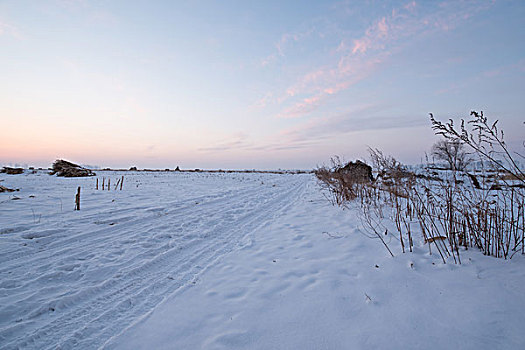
{"points": [[222, 261]]}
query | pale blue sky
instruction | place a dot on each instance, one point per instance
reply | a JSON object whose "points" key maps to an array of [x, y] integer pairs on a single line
{"points": [[250, 84]]}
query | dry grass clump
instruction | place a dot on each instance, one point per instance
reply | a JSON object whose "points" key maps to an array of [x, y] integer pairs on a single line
{"points": [[344, 181], [454, 210]]}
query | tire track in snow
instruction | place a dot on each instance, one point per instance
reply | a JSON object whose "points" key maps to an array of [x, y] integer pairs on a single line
{"points": [[100, 243], [94, 315], [9, 260], [86, 253]]}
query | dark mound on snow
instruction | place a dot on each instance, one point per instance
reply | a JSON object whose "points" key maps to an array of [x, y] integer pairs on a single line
{"points": [[359, 171], [67, 169], [12, 171]]}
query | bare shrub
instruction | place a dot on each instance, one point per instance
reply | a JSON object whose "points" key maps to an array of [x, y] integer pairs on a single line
{"points": [[452, 152], [385, 165], [489, 214], [485, 139], [454, 211]]}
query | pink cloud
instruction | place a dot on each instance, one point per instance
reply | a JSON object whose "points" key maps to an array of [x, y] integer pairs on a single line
{"points": [[351, 67], [291, 91], [382, 27], [410, 6], [268, 60], [299, 109], [361, 45], [308, 79], [374, 35], [354, 59], [329, 81]]}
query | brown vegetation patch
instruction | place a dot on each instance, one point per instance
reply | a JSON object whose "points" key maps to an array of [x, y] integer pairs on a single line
{"points": [[67, 169], [5, 189], [12, 171]]}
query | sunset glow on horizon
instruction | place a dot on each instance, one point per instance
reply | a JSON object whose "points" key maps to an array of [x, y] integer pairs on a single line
{"points": [[244, 85]]}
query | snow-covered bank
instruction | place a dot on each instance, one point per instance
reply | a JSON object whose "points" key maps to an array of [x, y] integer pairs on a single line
{"points": [[189, 261]]}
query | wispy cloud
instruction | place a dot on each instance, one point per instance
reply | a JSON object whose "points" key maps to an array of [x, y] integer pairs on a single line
{"points": [[321, 83], [281, 46], [317, 131], [356, 58], [10, 30], [286, 38], [373, 37], [369, 117], [307, 105], [237, 141], [268, 60]]}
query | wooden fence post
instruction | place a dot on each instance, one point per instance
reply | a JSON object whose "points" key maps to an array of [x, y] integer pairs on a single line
{"points": [[77, 199], [121, 182]]}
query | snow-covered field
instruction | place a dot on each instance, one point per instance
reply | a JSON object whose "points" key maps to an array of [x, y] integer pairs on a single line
{"points": [[222, 261]]}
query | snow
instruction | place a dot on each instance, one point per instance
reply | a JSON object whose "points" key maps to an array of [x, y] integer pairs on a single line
{"points": [[222, 261]]}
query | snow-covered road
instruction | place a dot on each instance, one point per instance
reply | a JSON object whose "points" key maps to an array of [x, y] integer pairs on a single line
{"points": [[74, 279]]}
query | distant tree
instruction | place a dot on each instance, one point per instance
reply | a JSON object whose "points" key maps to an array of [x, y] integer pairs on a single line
{"points": [[452, 152]]}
